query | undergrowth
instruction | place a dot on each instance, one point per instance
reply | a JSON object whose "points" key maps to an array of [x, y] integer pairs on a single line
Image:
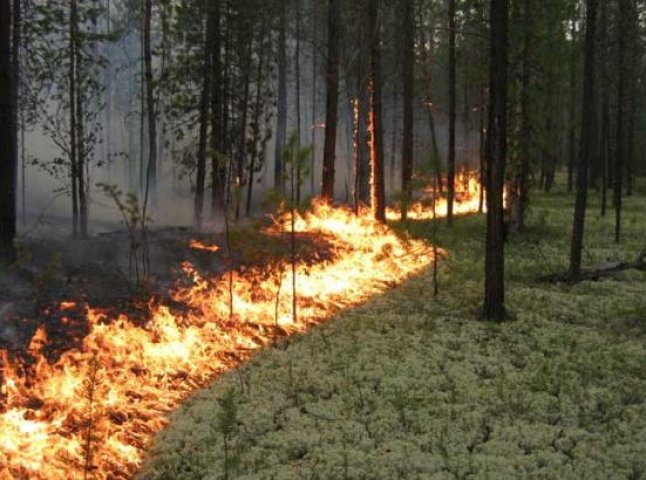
{"points": [[413, 387]]}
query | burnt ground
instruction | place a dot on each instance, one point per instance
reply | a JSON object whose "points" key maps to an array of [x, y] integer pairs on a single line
{"points": [[56, 268]]}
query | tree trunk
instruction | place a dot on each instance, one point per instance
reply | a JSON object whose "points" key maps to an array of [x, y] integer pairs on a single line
{"points": [[378, 197], [298, 96], [494, 308], [525, 152], [205, 101], [452, 115], [151, 171], [313, 126], [82, 167], [218, 166], [242, 145], [361, 147], [623, 109], [572, 121], [7, 141], [281, 115], [409, 86], [256, 117], [72, 73], [587, 140], [605, 108], [332, 103]]}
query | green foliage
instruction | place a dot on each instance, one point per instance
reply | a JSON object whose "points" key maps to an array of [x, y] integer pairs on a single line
{"points": [[410, 386], [136, 224]]}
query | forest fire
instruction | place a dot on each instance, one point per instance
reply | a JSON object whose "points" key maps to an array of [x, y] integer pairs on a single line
{"points": [[93, 412], [199, 245], [468, 192]]}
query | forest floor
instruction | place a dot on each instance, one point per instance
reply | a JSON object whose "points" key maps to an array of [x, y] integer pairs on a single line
{"points": [[415, 387], [97, 272]]}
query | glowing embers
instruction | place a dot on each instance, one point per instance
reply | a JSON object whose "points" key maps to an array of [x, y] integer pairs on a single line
{"points": [[96, 408]]}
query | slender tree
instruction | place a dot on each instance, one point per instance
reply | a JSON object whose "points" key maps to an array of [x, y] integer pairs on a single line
{"points": [[151, 110], [7, 141], [452, 114], [378, 194], [409, 85], [525, 132], [205, 103], [587, 140], [494, 301], [281, 115], [332, 103], [624, 100]]}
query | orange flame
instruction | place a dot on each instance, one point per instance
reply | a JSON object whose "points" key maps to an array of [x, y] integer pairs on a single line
{"points": [[467, 200], [199, 245], [97, 408]]}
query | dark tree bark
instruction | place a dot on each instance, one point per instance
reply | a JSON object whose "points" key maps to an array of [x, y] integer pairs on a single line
{"points": [[297, 74], [525, 133], [587, 140], [205, 103], [361, 140], [452, 115], [151, 171], [623, 108], [409, 84], [255, 126], [73, 86], [218, 165], [7, 141], [378, 194], [242, 141], [494, 301], [81, 152], [572, 113], [332, 103], [604, 152], [281, 114]]}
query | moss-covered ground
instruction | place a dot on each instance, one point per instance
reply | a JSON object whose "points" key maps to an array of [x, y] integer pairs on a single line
{"points": [[415, 387]]}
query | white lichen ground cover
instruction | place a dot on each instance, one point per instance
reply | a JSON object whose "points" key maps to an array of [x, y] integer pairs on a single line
{"points": [[414, 387]]}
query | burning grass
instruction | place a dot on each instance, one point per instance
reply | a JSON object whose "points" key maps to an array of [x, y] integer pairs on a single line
{"points": [[92, 412], [411, 387]]}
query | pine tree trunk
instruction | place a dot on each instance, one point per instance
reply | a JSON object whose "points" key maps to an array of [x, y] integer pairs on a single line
{"points": [[151, 171], [523, 176], [361, 146], [218, 168], [605, 108], [623, 110], [378, 196], [298, 97], [452, 115], [72, 73], [256, 119], [281, 116], [313, 126], [409, 86], [205, 101], [82, 167], [572, 121], [587, 140], [332, 103], [494, 308], [7, 141]]}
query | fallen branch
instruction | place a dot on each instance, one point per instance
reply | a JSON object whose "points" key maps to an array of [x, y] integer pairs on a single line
{"points": [[596, 272]]}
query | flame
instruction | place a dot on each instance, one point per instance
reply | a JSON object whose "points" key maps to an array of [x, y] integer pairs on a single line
{"points": [[467, 200], [199, 245], [96, 408]]}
